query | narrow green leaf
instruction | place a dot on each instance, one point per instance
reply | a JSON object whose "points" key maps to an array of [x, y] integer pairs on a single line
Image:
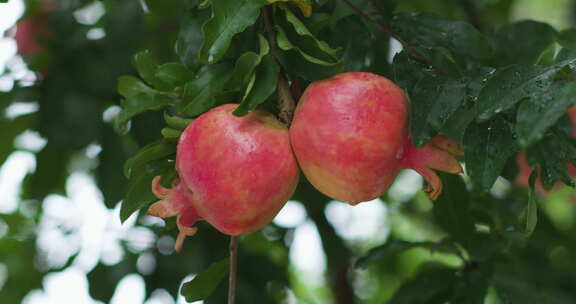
{"points": [[170, 134], [175, 122], [247, 62], [511, 84], [530, 214], [138, 104], [139, 187], [130, 86], [154, 151], [286, 45], [244, 68], [265, 84], [302, 30], [395, 247], [199, 94], [146, 66], [537, 114], [203, 284], [174, 73], [487, 147], [228, 19]]}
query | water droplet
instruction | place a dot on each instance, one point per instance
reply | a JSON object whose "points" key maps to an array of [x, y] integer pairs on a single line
{"points": [[400, 153]]}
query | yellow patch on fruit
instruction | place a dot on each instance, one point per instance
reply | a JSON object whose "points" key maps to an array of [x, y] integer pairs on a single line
{"points": [[304, 5]]}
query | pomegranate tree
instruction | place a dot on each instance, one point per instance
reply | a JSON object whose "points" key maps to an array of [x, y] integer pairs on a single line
{"points": [[236, 173], [350, 137]]}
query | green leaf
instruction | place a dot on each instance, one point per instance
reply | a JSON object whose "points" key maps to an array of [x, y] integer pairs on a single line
{"points": [[432, 102], [146, 66], [247, 62], [190, 36], [530, 215], [203, 284], [302, 30], [487, 147], [265, 84], [130, 86], [395, 247], [171, 134], [174, 73], [199, 94], [511, 84], [139, 187], [175, 122], [136, 105], [286, 45], [552, 154], [452, 209], [432, 31], [567, 39], [537, 114], [228, 19], [154, 151], [523, 42], [429, 286], [304, 5], [108, 174]]}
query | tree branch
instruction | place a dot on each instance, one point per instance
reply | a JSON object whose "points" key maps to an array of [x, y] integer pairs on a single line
{"points": [[286, 101], [386, 30]]}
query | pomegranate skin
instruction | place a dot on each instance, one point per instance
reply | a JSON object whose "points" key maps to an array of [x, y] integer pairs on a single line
{"points": [[350, 138], [236, 173]]}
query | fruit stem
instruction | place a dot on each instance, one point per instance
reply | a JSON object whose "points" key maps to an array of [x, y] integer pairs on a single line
{"points": [[232, 272], [285, 99]]}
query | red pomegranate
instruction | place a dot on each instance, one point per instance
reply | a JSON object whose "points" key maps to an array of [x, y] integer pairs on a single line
{"points": [[524, 170], [350, 137], [236, 173]]}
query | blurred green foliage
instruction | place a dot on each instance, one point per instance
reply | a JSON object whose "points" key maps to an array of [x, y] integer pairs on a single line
{"points": [[497, 84]]}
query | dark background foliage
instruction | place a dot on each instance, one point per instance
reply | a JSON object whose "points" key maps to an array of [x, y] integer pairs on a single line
{"points": [[107, 97]]}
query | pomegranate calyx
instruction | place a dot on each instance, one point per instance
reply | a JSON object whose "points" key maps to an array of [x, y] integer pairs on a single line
{"points": [[438, 154], [176, 201]]}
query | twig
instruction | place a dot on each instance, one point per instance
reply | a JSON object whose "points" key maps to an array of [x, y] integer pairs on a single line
{"points": [[392, 34], [285, 99], [232, 273]]}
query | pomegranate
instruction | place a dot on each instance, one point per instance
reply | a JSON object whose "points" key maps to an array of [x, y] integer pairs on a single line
{"points": [[350, 137], [524, 170], [29, 31], [236, 173]]}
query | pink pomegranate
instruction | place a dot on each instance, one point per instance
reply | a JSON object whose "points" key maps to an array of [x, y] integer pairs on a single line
{"points": [[236, 173], [350, 137], [524, 170], [30, 30]]}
